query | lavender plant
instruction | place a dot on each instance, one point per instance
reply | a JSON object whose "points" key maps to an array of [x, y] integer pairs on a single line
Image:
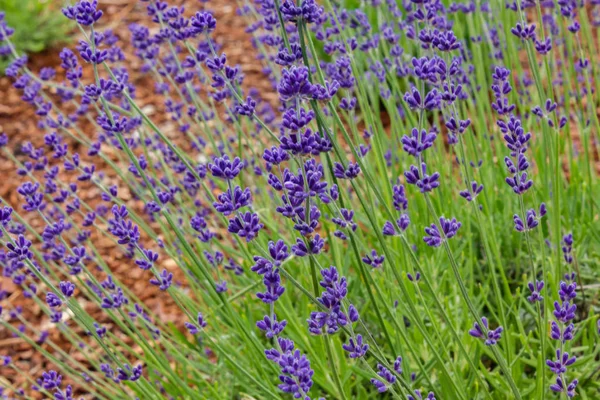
{"points": [[350, 237]]}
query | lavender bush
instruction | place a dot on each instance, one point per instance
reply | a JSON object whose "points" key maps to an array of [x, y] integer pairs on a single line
{"points": [[351, 240]]}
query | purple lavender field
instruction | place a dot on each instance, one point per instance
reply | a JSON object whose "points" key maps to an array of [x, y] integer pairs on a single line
{"points": [[303, 199]]}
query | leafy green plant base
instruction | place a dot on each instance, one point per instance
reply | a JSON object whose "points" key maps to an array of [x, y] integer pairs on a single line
{"points": [[39, 24]]}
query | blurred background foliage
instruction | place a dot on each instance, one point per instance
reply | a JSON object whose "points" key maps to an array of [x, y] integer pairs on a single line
{"points": [[38, 24]]}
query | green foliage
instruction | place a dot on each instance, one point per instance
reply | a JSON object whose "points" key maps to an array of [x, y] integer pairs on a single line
{"points": [[38, 24]]}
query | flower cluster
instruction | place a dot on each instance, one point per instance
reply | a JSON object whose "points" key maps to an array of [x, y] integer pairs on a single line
{"points": [[563, 330], [483, 331]]}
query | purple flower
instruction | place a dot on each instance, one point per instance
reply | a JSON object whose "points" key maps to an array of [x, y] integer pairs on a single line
{"points": [[346, 220], [217, 64], [163, 281], [51, 380], [519, 183], [203, 22], [308, 10], [287, 57], [567, 248], [224, 168], [294, 119], [356, 347], [471, 194], [303, 143], [33, 198], [523, 32], [335, 291], [271, 326], [307, 183], [294, 84], [435, 238], [90, 54], [535, 291], [559, 387], [415, 278], [388, 379], [399, 198], [457, 126], [314, 246], [350, 172], [246, 225], [564, 312], [129, 374], [194, 328], [290, 11], [563, 360], [445, 41], [123, 229], [419, 396], [567, 291], [563, 335], [374, 260], [353, 315], [278, 251], [415, 101], [67, 288], [426, 183], [230, 202], [531, 220], [19, 250], [274, 290], [491, 336], [543, 47], [221, 287], [53, 300], [417, 142], [148, 261], [275, 155], [84, 12], [246, 108], [5, 216], [296, 373]]}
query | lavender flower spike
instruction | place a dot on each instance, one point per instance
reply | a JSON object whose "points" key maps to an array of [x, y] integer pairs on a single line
{"points": [[482, 331], [435, 238]]}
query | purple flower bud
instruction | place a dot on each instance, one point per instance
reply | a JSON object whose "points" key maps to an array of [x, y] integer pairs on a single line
{"points": [[246, 225], [84, 12], [67, 288], [559, 366], [449, 227], [163, 281], [224, 168], [482, 331], [356, 347], [374, 260], [271, 326], [53, 300], [194, 328], [535, 291], [523, 32], [417, 142], [567, 248], [51, 380], [471, 193], [424, 182], [203, 22], [294, 84]]}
